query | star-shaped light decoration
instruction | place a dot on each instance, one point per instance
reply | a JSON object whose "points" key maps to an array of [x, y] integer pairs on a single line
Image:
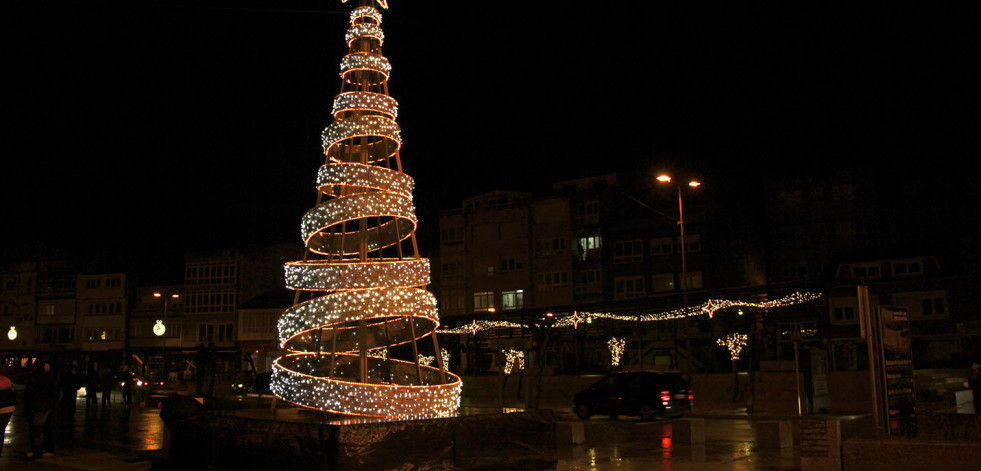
{"points": [[576, 319], [474, 328], [708, 309]]}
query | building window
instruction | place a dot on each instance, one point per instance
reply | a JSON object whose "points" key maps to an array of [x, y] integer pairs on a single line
{"points": [[843, 314], [510, 264], [907, 268], [210, 273], [483, 301], [589, 245], [102, 334], [58, 335], [451, 270], [662, 282], [589, 208], [210, 301], [934, 307], [511, 300], [627, 287], [550, 246], [865, 271], [693, 243], [453, 300], [206, 333], [451, 235], [692, 280], [226, 332], [591, 277], [93, 283], [662, 246], [627, 251], [553, 280], [113, 282]]}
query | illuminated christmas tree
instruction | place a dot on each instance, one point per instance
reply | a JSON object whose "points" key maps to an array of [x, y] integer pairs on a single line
{"points": [[360, 289]]}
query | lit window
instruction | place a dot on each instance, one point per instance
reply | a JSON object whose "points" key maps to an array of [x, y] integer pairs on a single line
{"points": [[512, 299], [483, 301]]}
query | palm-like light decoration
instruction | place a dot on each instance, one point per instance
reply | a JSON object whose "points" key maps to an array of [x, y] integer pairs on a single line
{"points": [[360, 289]]}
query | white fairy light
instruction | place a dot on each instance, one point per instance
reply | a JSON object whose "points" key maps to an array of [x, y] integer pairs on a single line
{"points": [[364, 30], [446, 358], [366, 61], [356, 175], [366, 12], [616, 346], [709, 307], [366, 205], [735, 343], [513, 357], [366, 101], [359, 126], [359, 295]]}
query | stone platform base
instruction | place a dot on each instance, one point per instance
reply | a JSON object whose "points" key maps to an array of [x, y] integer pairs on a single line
{"points": [[909, 454], [515, 441]]}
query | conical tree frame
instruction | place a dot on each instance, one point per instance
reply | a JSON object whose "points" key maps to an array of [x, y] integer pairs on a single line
{"points": [[360, 288]]}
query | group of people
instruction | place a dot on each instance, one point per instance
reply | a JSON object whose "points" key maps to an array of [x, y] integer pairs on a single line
{"points": [[103, 381], [40, 399], [45, 390]]}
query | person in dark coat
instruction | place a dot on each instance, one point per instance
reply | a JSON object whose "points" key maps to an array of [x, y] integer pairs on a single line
{"points": [[69, 383], [91, 388], [106, 382], [40, 398], [8, 403], [127, 380]]}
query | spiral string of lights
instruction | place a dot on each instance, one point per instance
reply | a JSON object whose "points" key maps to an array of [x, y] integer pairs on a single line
{"points": [[360, 289]]}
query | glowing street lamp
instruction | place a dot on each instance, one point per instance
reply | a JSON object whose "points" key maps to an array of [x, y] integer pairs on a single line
{"points": [[665, 179], [160, 328], [12, 333]]}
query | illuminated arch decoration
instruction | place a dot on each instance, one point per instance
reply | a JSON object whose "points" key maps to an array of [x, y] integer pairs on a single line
{"points": [[360, 290]]}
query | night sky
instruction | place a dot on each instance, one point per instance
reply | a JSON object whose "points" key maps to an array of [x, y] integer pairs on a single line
{"points": [[165, 127]]}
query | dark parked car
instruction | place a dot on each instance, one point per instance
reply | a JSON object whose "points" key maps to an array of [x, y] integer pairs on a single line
{"points": [[646, 394], [259, 384]]}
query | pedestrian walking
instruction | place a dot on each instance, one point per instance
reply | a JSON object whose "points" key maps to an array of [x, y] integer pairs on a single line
{"points": [[69, 384], [127, 381], [92, 388], [106, 382], [8, 401], [40, 399]]}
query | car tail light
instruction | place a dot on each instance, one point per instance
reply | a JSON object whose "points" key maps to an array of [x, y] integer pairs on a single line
{"points": [[665, 395]]}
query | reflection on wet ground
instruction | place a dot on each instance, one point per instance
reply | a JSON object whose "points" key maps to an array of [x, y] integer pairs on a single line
{"points": [[115, 429], [625, 445], [610, 444]]}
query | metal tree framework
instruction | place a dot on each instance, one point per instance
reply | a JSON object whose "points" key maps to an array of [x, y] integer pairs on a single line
{"points": [[362, 277]]}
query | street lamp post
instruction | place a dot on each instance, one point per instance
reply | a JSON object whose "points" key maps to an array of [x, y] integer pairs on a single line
{"points": [[161, 327], [665, 179]]}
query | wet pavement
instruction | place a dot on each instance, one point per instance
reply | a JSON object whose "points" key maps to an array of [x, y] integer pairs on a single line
{"points": [[104, 435], [121, 438], [633, 445]]}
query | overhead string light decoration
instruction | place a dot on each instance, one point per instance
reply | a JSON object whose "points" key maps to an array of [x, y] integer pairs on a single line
{"points": [[360, 288], [709, 308]]}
